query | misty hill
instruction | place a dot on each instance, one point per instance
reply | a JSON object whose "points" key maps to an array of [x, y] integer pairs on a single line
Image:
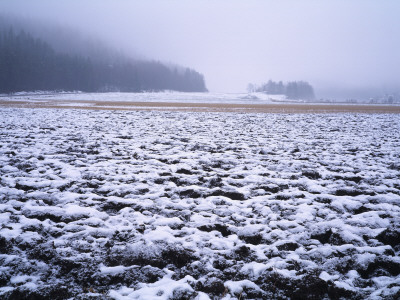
{"points": [[67, 40], [292, 89], [29, 63]]}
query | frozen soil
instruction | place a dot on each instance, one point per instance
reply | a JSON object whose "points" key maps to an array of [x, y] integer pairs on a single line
{"points": [[196, 205]]}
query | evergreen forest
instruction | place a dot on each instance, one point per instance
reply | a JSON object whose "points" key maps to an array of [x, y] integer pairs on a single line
{"points": [[292, 89], [28, 63]]}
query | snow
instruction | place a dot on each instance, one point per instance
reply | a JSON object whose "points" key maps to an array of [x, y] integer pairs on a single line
{"points": [[162, 289], [168, 96], [236, 287], [255, 268], [162, 205], [112, 270], [325, 276]]}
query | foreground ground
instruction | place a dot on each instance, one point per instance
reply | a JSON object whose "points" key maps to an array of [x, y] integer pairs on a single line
{"points": [[194, 205]]}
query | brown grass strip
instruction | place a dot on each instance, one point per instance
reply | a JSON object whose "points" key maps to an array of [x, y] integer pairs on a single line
{"points": [[202, 107]]}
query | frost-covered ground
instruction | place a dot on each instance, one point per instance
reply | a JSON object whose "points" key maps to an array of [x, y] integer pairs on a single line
{"points": [[185, 205], [174, 96], [171, 96]]}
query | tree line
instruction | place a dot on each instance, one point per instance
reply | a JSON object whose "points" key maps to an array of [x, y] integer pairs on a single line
{"points": [[28, 64], [292, 89]]}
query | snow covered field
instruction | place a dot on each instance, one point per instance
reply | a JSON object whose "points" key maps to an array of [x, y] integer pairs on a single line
{"points": [[192, 205], [171, 96]]}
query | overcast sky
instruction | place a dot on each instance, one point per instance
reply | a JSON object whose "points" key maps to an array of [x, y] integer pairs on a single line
{"points": [[333, 44]]}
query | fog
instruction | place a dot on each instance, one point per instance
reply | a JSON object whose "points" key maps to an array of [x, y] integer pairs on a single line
{"points": [[343, 48]]}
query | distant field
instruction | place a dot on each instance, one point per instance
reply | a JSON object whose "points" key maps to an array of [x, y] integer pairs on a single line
{"points": [[201, 106]]}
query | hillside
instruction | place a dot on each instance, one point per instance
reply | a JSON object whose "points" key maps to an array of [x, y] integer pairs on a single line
{"points": [[29, 63]]}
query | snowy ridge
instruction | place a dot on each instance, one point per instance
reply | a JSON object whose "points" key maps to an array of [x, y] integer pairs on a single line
{"points": [[185, 205]]}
